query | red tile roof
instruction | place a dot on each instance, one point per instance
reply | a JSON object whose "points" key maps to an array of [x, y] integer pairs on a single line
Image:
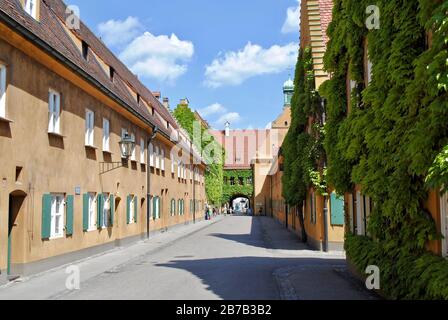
{"points": [[49, 29], [326, 15]]}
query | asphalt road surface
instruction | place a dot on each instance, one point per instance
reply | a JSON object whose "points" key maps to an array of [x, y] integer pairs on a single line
{"points": [[231, 258]]}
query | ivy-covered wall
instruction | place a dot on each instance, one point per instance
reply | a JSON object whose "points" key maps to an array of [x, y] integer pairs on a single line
{"points": [[303, 151], [214, 175], [246, 189], [394, 141]]}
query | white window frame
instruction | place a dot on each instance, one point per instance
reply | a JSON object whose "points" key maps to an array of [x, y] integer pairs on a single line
{"points": [[30, 7], [132, 210], [172, 162], [134, 152], [157, 208], [360, 216], [369, 71], [151, 155], [369, 68], [57, 211], [54, 112], [2, 91], [157, 157], [444, 223], [90, 128], [106, 211], [142, 151], [106, 135], [92, 212], [179, 166], [162, 159]]}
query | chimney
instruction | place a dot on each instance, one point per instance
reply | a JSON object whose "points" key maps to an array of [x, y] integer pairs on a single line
{"points": [[184, 102], [166, 103], [156, 95], [227, 130]]}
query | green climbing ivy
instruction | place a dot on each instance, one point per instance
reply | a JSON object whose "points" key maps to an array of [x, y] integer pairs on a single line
{"points": [[394, 141], [246, 189], [303, 147], [214, 175]]}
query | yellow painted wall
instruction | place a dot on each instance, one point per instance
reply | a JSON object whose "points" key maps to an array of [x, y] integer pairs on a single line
{"points": [[54, 164]]}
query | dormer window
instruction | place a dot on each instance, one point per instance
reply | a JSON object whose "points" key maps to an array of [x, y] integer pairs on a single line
{"points": [[138, 99], [85, 50], [153, 112], [30, 7], [111, 74]]}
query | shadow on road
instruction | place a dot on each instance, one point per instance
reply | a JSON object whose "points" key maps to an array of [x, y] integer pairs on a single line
{"points": [[266, 233], [247, 278], [288, 266]]}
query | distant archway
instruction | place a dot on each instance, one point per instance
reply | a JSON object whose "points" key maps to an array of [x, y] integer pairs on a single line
{"points": [[241, 204]]}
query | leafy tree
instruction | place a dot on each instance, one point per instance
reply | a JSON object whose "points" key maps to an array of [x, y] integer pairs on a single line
{"points": [[214, 174]]}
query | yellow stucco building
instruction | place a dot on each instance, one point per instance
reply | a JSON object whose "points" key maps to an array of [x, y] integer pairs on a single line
{"points": [[68, 189]]}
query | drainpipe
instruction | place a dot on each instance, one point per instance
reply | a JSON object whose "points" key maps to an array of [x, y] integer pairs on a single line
{"points": [[194, 193], [148, 180]]}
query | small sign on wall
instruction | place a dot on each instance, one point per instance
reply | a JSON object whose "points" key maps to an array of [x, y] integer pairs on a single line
{"points": [[77, 191]]}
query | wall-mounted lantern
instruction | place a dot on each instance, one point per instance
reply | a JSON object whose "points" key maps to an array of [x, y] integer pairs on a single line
{"points": [[127, 145]]}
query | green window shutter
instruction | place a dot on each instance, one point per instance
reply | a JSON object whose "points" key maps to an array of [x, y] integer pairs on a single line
{"points": [[128, 209], [135, 209], [69, 216], [337, 210], [85, 212], [46, 216], [112, 210], [100, 205]]}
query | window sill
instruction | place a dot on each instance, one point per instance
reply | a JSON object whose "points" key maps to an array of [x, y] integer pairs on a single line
{"points": [[91, 147], [56, 237], [57, 135], [92, 229], [5, 120], [107, 152]]}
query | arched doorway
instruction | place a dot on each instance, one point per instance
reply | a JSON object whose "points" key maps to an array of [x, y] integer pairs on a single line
{"points": [[241, 205], [16, 231]]}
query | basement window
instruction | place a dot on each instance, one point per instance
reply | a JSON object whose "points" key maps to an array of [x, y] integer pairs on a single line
{"points": [[19, 171]]}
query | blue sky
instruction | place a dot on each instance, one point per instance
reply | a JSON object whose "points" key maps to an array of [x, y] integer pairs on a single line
{"points": [[229, 58]]}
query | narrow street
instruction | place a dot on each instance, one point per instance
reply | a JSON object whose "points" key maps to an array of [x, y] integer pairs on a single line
{"points": [[229, 258]]}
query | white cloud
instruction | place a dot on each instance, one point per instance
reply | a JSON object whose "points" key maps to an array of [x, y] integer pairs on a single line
{"points": [[235, 67], [213, 109], [160, 57], [119, 32], [292, 21], [232, 117]]}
